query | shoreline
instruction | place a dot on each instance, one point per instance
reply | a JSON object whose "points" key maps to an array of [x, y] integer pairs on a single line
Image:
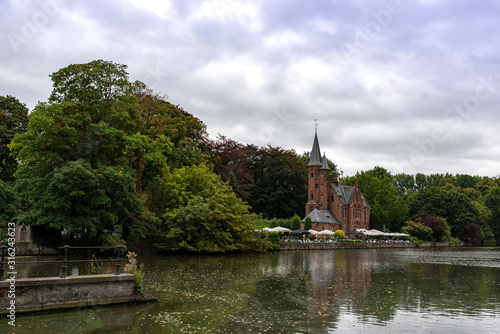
{"points": [[289, 246]]}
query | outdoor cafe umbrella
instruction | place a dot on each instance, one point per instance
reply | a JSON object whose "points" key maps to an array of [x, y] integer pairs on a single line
{"points": [[374, 233], [279, 229], [327, 232], [313, 232], [299, 231]]}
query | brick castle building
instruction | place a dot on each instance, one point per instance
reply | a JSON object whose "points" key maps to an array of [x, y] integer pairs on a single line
{"points": [[331, 205]]}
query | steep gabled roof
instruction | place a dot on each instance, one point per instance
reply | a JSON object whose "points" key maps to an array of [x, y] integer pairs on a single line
{"points": [[346, 193], [322, 216], [315, 153]]}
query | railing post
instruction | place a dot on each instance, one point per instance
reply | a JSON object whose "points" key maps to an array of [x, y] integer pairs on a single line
{"points": [[118, 260], [65, 261], [2, 264]]}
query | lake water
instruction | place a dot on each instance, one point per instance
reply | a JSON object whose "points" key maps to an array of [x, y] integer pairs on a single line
{"points": [[452, 290]]}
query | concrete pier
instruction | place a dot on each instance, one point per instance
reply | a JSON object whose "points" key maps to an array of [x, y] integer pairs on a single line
{"points": [[48, 293]]}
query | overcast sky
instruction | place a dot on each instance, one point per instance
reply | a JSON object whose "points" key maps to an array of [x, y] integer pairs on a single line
{"points": [[412, 86]]}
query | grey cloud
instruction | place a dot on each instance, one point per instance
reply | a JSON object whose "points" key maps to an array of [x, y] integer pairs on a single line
{"points": [[264, 78]]}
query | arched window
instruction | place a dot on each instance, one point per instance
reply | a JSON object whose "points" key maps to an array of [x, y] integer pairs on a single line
{"points": [[23, 234]]}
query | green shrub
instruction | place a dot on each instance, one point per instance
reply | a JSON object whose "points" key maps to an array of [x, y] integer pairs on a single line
{"points": [[308, 223], [339, 234], [296, 223], [275, 240]]}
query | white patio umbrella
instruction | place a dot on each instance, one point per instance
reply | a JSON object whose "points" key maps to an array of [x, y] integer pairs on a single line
{"points": [[374, 233], [398, 234], [313, 232], [280, 229], [327, 232]]}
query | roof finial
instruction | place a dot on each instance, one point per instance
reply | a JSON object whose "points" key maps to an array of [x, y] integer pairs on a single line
{"points": [[315, 125]]}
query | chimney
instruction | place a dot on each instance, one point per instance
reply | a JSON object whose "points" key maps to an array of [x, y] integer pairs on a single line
{"points": [[336, 179]]}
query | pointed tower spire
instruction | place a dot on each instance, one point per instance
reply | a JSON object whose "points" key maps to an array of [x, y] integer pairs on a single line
{"points": [[324, 163], [315, 152]]}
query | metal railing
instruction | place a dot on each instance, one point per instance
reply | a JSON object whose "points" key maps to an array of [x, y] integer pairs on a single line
{"points": [[65, 260]]}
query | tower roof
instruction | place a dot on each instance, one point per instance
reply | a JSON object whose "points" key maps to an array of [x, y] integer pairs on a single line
{"points": [[324, 163], [315, 153]]}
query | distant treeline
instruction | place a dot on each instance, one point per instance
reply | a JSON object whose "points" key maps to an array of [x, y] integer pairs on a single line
{"points": [[107, 161]]}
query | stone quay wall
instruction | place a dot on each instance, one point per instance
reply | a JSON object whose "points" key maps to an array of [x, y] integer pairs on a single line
{"points": [[48, 293]]}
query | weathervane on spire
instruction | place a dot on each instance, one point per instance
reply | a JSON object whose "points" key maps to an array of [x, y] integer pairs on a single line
{"points": [[316, 125]]}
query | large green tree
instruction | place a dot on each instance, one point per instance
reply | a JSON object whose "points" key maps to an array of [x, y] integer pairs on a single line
{"points": [[386, 207], [203, 214], [13, 120], [78, 158], [280, 182]]}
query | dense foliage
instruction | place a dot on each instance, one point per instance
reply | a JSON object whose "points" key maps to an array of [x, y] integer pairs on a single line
{"points": [[418, 230], [204, 215], [9, 206], [439, 227], [280, 182]]}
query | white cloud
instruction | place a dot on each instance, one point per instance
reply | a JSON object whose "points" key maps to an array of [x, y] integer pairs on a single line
{"points": [[162, 8], [243, 11]]}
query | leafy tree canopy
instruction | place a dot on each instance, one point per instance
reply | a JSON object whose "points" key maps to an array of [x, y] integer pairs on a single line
{"points": [[280, 178], [404, 183], [83, 154], [386, 206], [13, 120], [204, 215], [231, 160], [492, 201], [88, 83], [457, 208]]}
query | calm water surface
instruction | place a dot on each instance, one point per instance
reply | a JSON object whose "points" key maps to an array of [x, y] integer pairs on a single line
{"points": [[351, 291]]}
